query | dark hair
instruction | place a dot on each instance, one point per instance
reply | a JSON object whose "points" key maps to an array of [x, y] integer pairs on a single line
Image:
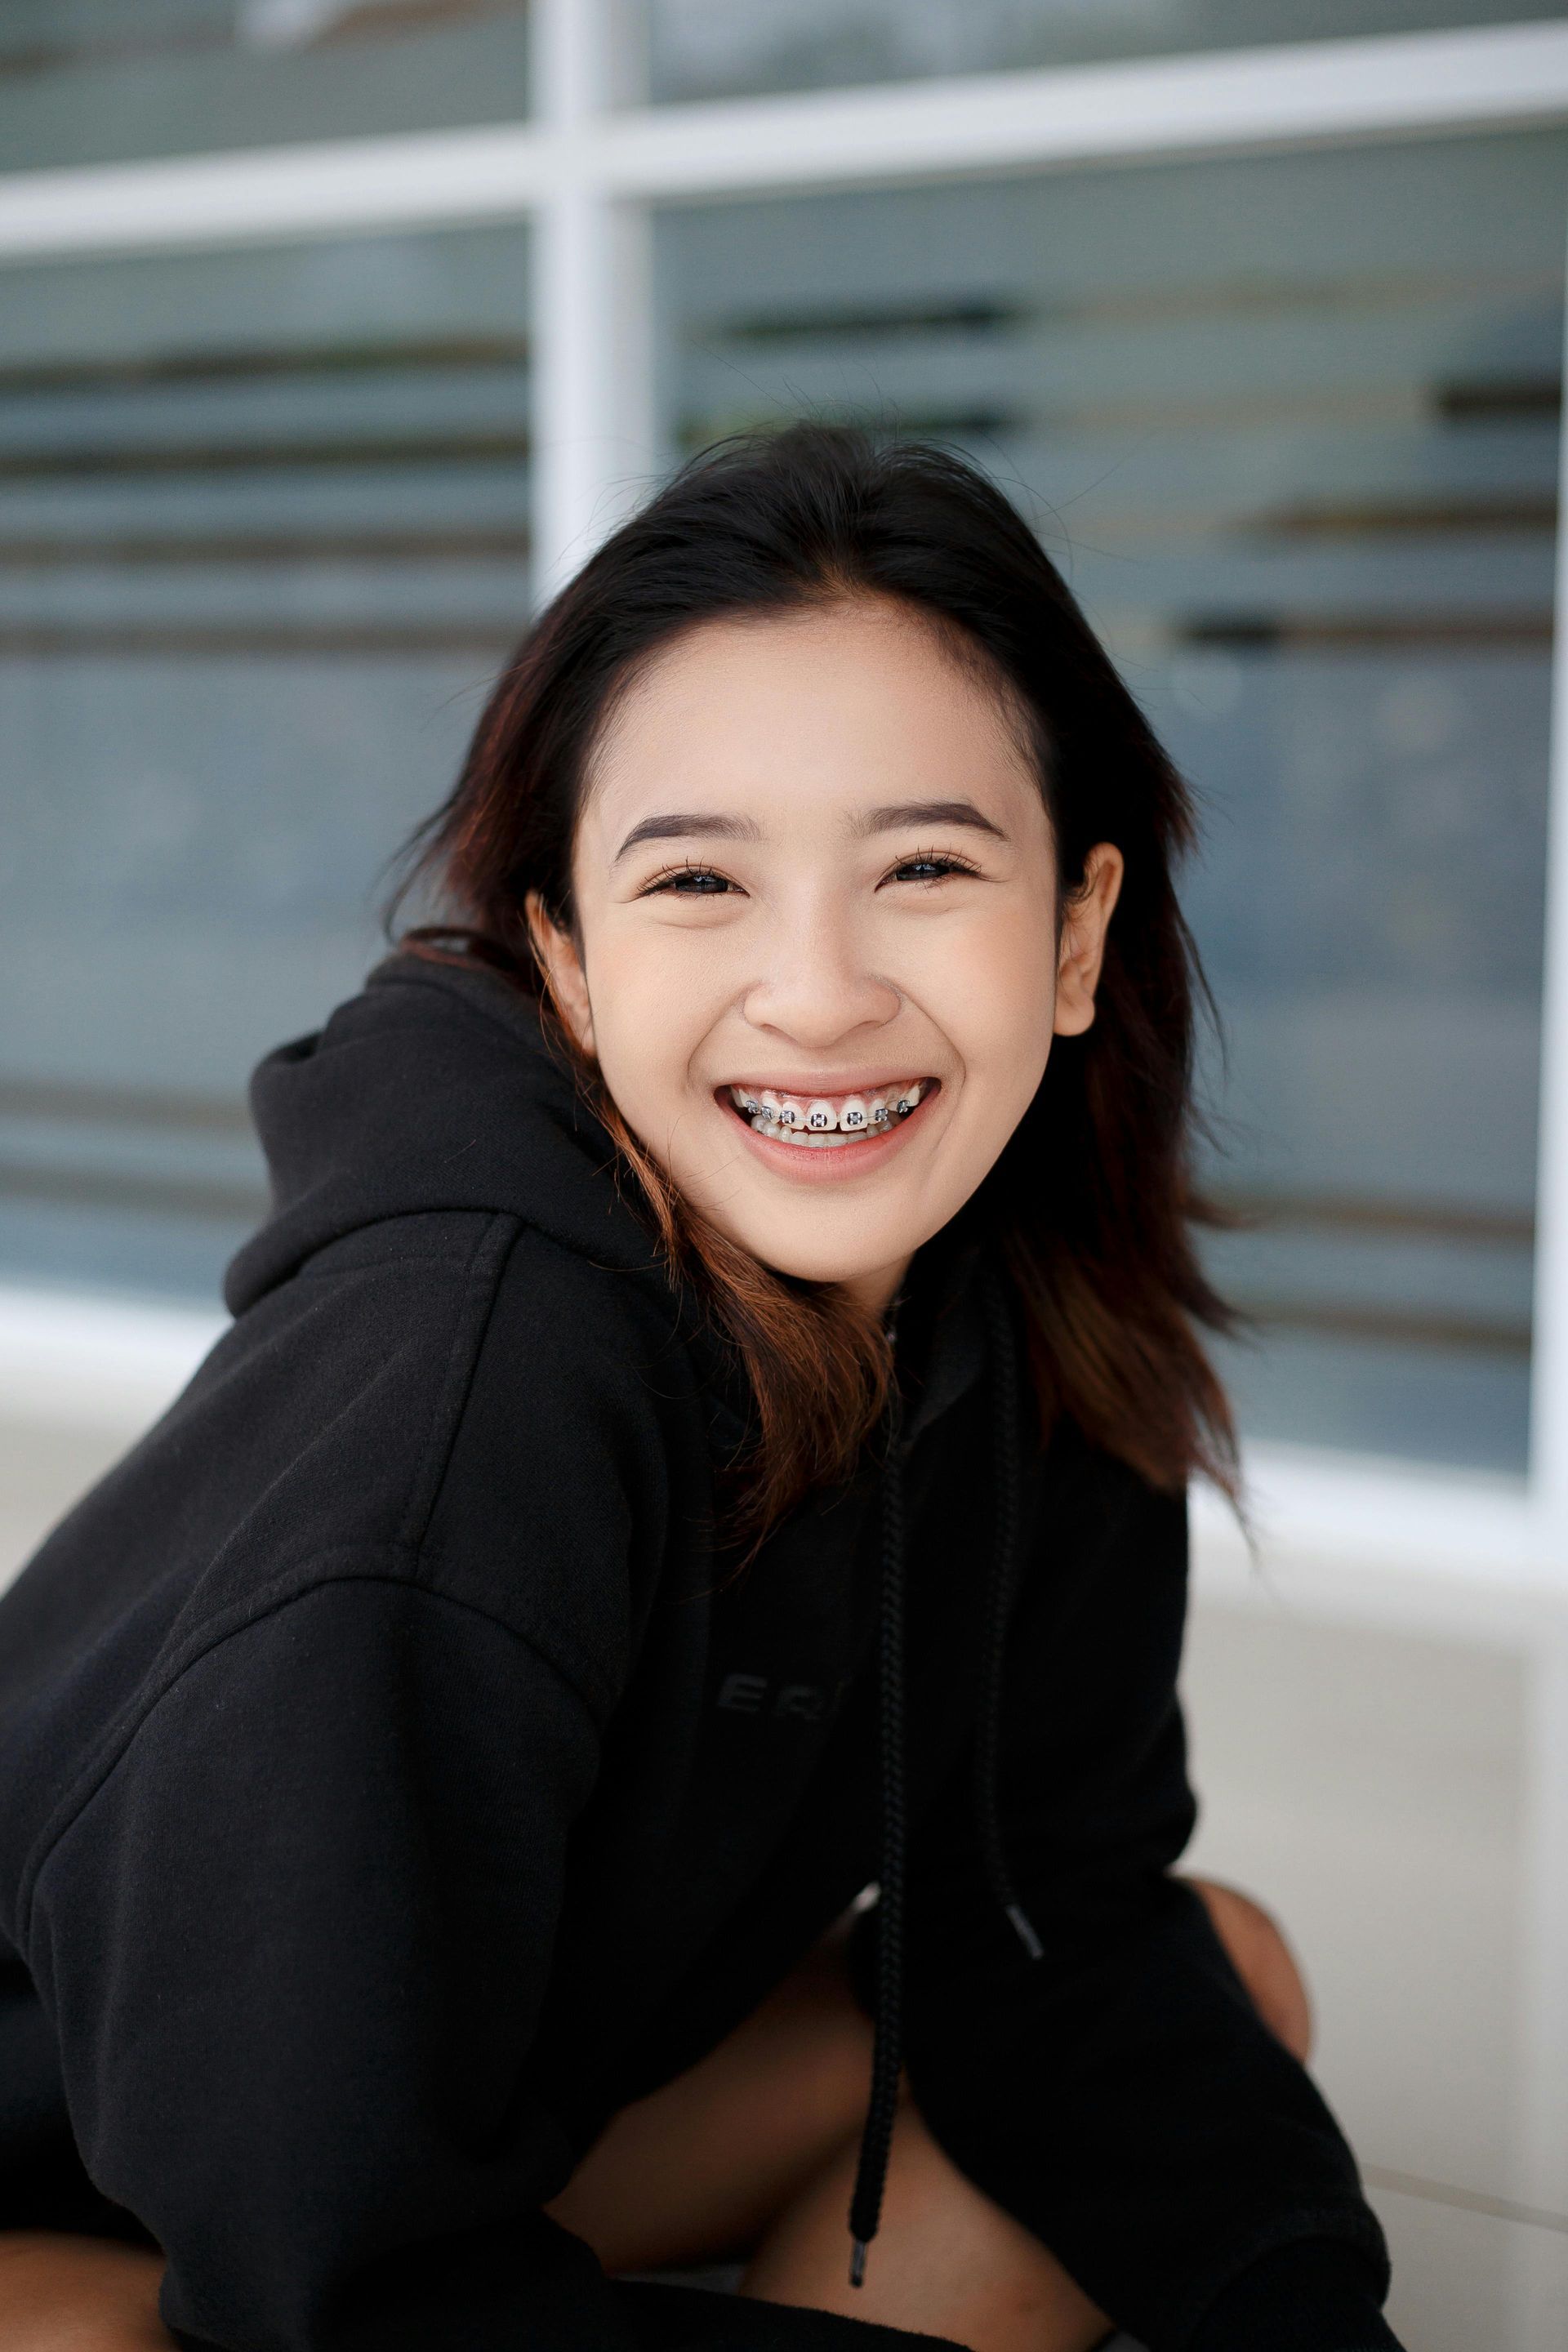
{"points": [[1091, 1199]]}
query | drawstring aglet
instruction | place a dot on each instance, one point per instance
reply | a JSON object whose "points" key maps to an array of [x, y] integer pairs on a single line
{"points": [[1025, 1928], [857, 2264]]}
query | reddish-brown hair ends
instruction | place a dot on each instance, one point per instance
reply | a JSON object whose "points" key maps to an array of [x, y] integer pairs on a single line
{"points": [[1092, 1201]]}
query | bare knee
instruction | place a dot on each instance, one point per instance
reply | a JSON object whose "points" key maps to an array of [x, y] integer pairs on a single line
{"points": [[1264, 1961], [946, 2260], [93, 2295]]}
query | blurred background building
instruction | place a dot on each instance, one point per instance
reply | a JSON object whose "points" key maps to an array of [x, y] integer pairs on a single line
{"points": [[332, 333]]}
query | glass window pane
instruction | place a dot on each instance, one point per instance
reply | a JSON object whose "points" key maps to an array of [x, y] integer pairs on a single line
{"points": [[263, 543], [1289, 425], [713, 48], [100, 82]]}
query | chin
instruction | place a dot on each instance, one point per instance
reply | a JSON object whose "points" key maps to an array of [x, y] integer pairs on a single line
{"points": [[808, 1265]]}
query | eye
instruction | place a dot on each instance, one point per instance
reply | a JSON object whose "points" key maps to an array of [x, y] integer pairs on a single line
{"points": [[703, 882], [931, 865]]}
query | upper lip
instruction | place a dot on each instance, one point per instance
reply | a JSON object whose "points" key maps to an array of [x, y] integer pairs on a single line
{"points": [[851, 1082]]}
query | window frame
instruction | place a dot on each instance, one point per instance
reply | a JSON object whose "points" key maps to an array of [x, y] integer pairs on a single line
{"points": [[585, 172]]}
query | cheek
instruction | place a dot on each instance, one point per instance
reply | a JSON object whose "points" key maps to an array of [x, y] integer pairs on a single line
{"points": [[650, 1015], [659, 965], [996, 983]]}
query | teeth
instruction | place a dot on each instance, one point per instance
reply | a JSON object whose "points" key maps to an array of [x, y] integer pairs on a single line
{"points": [[799, 1138], [819, 1122]]}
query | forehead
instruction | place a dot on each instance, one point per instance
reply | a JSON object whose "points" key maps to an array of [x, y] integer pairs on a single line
{"points": [[803, 713]]}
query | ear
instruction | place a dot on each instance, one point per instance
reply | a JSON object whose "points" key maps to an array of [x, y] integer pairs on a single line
{"points": [[562, 968], [1084, 926]]}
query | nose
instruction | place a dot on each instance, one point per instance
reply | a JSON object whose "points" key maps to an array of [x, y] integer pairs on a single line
{"points": [[817, 984]]}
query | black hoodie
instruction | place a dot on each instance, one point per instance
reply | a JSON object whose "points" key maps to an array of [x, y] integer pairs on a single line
{"points": [[396, 1779]]}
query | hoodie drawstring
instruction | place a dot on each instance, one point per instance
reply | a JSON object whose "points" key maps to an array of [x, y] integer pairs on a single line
{"points": [[886, 2046], [887, 2052], [1004, 1587]]}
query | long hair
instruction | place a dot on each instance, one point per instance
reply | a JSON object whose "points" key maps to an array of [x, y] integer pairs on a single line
{"points": [[1092, 1201]]}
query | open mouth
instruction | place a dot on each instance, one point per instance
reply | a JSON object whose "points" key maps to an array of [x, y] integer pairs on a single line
{"points": [[828, 1122]]}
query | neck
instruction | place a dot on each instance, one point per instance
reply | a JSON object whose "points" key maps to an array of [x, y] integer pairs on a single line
{"points": [[877, 1290]]}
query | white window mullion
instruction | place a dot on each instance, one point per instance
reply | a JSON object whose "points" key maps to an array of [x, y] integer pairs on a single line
{"points": [[593, 434], [593, 402]]}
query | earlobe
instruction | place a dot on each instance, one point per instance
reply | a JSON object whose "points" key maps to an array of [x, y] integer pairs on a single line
{"points": [[1075, 1007]]}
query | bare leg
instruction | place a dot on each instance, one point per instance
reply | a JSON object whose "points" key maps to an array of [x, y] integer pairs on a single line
{"points": [[945, 2261], [66, 2294]]}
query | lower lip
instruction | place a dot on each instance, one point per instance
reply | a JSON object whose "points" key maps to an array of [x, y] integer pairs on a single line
{"points": [[842, 1161]]}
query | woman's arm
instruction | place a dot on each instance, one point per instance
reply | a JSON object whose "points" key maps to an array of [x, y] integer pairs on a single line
{"points": [[60, 2294], [296, 1947], [1121, 2094]]}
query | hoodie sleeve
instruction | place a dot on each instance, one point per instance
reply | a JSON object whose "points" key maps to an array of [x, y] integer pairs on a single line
{"points": [[294, 1947], [1121, 2095]]}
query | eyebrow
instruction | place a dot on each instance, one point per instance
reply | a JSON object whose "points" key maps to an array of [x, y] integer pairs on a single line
{"points": [[897, 813], [683, 825], [680, 826]]}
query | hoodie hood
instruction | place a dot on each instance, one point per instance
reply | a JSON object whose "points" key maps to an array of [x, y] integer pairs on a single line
{"points": [[416, 1097]]}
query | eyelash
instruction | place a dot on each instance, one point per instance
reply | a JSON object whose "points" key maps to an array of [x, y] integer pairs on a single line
{"points": [[666, 874]]}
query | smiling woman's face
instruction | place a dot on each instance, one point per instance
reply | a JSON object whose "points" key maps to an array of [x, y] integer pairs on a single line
{"points": [[814, 874]]}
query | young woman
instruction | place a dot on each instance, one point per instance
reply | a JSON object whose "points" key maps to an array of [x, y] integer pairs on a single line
{"points": [[626, 1718]]}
